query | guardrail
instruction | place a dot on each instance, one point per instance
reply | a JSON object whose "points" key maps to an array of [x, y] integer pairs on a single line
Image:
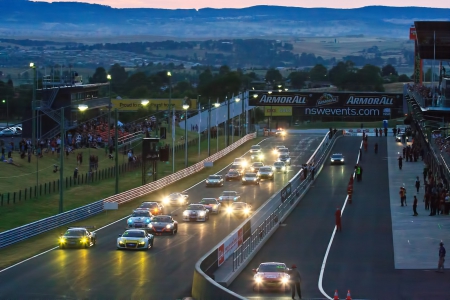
{"points": [[204, 285], [24, 232], [21, 233]]}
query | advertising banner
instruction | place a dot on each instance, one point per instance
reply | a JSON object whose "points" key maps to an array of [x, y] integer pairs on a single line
{"points": [[278, 111], [335, 103], [285, 192], [412, 33], [155, 104], [226, 249]]}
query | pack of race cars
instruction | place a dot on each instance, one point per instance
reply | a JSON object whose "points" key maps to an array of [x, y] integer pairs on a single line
{"points": [[151, 217]]}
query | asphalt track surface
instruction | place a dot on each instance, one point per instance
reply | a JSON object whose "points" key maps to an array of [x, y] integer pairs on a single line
{"points": [[361, 257], [164, 272]]}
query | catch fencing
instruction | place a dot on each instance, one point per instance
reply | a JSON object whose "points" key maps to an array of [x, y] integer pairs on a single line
{"points": [[21, 233]]}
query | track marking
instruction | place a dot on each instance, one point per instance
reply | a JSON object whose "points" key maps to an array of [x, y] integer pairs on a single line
{"points": [[322, 269]]}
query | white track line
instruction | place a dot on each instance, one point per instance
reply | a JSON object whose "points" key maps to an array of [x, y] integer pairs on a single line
{"points": [[42, 253], [322, 269]]}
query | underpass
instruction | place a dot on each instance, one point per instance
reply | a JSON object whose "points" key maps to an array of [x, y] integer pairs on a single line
{"points": [[164, 272]]}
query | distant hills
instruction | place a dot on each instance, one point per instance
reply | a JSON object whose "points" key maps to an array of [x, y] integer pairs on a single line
{"points": [[79, 20]]}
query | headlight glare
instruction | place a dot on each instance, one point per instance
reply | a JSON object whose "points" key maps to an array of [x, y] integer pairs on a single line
{"points": [[168, 226], [62, 240], [166, 200], [229, 210], [258, 279], [84, 240], [202, 213], [130, 221], [185, 213], [147, 221], [285, 280]]}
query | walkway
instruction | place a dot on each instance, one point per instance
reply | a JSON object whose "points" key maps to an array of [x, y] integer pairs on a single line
{"points": [[416, 239]]}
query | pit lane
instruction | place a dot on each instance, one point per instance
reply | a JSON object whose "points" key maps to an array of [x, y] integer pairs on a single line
{"points": [[164, 272]]}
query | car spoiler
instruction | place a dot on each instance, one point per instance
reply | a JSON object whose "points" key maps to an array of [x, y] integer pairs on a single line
{"points": [[85, 227]]}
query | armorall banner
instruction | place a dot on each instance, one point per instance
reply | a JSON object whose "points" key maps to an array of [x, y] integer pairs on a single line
{"points": [[334, 104]]}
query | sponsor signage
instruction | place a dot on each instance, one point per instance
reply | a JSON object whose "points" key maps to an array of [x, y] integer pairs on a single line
{"points": [[232, 243], [412, 33], [278, 111], [154, 104], [285, 192]]}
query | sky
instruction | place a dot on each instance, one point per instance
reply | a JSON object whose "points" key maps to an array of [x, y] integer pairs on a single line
{"points": [[173, 4]]}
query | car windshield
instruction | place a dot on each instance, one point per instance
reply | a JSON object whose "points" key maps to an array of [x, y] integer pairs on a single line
{"points": [[208, 201], [258, 164], [284, 156], [280, 147], [238, 205], [175, 195], [148, 205], [232, 172], [75, 232], [229, 194], [279, 164], [336, 156], [141, 214], [195, 207], [272, 268], [214, 177], [255, 147], [265, 169], [163, 219], [250, 175], [284, 150], [133, 234]]}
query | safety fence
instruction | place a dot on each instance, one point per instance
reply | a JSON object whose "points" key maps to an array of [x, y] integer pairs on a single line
{"points": [[29, 230], [264, 222], [24, 232]]}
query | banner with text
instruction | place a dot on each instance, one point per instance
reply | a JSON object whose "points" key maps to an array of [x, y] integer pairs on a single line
{"points": [[154, 104], [226, 249], [278, 111]]}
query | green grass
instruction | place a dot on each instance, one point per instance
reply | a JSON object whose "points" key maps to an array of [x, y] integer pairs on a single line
{"points": [[24, 212], [45, 241], [23, 175]]}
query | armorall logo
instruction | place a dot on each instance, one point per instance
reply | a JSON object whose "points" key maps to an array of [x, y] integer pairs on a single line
{"points": [[352, 100], [288, 100], [327, 99]]}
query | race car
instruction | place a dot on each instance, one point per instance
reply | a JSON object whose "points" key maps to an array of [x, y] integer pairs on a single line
{"points": [[240, 209], [265, 173], [337, 158], [139, 219], [255, 166], [196, 212], [279, 166], [233, 175], [280, 132], [79, 237], [256, 153], [271, 275], [135, 239], [228, 196], [241, 162], [211, 204], [214, 180], [176, 199], [250, 178], [163, 223], [285, 158], [275, 151], [398, 137], [153, 207], [282, 151]]}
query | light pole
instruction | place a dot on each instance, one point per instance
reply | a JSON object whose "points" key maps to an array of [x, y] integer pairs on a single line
{"points": [[185, 107], [61, 164], [116, 155], [227, 134], [173, 140], [7, 112], [237, 101], [199, 124], [109, 115], [170, 95], [217, 105], [33, 120], [209, 127]]}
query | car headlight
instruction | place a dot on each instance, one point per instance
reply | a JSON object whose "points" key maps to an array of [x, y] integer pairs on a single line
{"points": [[332, 160], [244, 163], [253, 169], [342, 159], [215, 206], [283, 168], [130, 221], [207, 181], [166, 200], [229, 210], [285, 280], [273, 168], [274, 151], [246, 211], [84, 240], [258, 174], [62, 240], [261, 156], [168, 226], [150, 225], [258, 279], [141, 242], [270, 174], [202, 213], [181, 200], [185, 213], [121, 242], [243, 179], [283, 133], [147, 221]]}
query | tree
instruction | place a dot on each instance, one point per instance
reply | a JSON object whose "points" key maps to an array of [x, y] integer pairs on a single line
{"points": [[318, 73], [223, 70], [118, 78], [404, 78], [429, 77], [388, 70], [139, 92], [99, 76], [138, 79], [183, 86], [273, 75], [298, 79]]}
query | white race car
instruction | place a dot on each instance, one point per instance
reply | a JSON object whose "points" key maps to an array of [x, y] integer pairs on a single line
{"points": [[136, 239], [176, 199], [139, 219], [196, 212]]}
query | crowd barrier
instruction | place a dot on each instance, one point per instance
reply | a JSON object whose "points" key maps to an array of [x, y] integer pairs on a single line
{"points": [[21, 233], [254, 232]]}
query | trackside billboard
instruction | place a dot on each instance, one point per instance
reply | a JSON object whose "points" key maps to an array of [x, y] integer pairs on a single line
{"points": [[227, 248], [381, 105]]}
